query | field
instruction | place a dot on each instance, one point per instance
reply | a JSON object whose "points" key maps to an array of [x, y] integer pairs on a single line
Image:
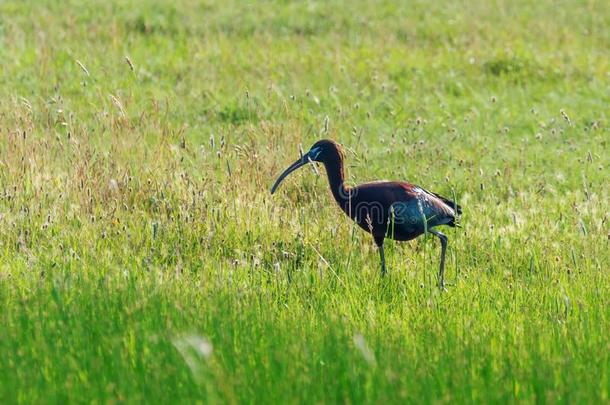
{"points": [[143, 259]]}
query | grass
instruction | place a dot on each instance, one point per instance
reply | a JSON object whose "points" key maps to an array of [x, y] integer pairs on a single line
{"points": [[142, 257]]}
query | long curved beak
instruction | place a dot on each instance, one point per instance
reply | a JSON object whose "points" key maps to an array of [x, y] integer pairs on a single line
{"points": [[301, 162]]}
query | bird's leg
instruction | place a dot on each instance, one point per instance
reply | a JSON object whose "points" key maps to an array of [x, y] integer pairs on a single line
{"points": [[379, 243], [441, 272], [382, 260]]}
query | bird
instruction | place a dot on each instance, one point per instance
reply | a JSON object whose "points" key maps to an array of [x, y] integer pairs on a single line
{"points": [[386, 209]]}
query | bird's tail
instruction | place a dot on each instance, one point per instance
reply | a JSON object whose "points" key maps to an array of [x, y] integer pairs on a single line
{"points": [[454, 224], [457, 209], [452, 204]]}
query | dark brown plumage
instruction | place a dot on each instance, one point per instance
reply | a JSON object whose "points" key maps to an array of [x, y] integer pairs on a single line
{"points": [[386, 209]]}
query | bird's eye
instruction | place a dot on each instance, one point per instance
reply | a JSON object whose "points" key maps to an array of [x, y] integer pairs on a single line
{"points": [[315, 152]]}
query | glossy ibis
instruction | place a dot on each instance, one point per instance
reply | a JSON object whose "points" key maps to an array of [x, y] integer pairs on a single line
{"points": [[386, 209]]}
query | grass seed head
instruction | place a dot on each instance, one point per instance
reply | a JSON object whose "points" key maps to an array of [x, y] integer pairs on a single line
{"points": [[130, 63], [83, 68]]}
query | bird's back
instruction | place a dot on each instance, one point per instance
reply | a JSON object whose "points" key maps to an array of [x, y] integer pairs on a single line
{"points": [[398, 210]]}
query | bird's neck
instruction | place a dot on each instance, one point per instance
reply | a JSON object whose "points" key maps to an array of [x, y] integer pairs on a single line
{"points": [[336, 180]]}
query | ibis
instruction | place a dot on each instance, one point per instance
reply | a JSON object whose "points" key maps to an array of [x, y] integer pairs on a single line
{"points": [[386, 209]]}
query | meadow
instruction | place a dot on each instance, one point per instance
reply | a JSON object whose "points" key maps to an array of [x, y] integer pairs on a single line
{"points": [[143, 259]]}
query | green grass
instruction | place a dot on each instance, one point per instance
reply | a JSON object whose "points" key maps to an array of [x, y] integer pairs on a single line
{"points": [[142, 257]]}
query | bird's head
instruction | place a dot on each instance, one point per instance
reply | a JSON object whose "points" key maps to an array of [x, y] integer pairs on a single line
{"points": [[322, 151]]}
